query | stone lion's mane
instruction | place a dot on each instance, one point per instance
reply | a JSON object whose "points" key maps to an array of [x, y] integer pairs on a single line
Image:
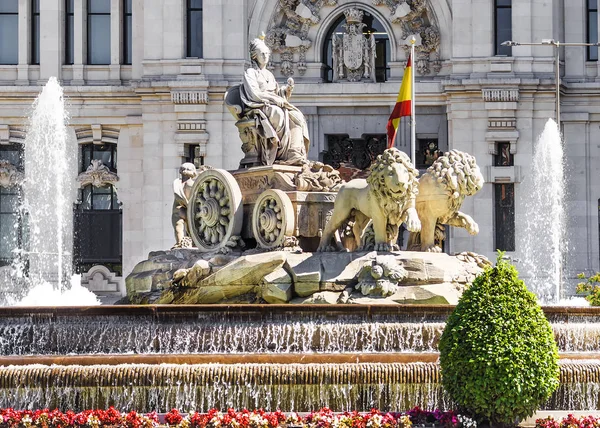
{"points": [[456, 171], [393, 205]]}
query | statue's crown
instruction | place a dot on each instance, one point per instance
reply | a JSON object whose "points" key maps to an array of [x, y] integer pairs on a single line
{"points": [[353, 16]]}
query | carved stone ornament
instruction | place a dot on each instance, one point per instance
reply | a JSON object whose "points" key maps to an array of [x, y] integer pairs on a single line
{"points": [[418, 21], [287, 35], [9, 174], [353, 53], [98, 175]]}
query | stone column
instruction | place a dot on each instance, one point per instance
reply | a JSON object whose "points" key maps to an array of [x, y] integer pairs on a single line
{"points": [[116, 38], [24, 42], [80, 39], [137, 32], [174, 30], [575, 56], [521, 28], [52, 40]]}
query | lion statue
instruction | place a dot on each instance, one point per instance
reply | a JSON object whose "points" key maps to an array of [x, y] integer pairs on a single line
{"points": [[387, 197], [442, 190]]}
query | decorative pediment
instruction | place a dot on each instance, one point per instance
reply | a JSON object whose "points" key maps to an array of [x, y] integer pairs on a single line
{"points": [[10, 175], [98, 175]]}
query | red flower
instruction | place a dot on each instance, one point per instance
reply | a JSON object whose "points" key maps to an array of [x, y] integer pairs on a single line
{"points": [[173, 417]]}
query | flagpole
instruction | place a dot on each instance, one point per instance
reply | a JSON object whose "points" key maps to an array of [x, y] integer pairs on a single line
{"points": [[413, 125]]}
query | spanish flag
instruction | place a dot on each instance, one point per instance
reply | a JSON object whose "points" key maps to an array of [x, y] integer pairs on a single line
{"points": [[403, 104]]}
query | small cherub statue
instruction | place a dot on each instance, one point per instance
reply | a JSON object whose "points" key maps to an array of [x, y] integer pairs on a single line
{"points": [[182, 189]]}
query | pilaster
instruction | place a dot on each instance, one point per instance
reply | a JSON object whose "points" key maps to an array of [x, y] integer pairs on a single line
{"points": [[116, 40], [24, 42], [80, 41]]}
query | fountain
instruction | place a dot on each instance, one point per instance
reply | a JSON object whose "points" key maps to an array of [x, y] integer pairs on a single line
{"points": [[49, 192], [375, 353], [543, 237]]}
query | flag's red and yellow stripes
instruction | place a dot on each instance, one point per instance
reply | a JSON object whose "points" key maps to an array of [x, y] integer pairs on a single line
{"points": [[403, 104]]}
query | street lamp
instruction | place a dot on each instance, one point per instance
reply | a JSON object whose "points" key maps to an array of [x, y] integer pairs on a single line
{"points": [[557, 45]]}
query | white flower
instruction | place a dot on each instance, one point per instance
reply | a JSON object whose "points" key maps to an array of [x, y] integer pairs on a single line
{"points": [[466, 422]]}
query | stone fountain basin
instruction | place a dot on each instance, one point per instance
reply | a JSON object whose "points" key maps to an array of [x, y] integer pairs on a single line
{"points": [[256, 330]]}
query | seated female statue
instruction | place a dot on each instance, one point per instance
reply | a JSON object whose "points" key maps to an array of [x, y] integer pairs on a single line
{"points": [[281, 126]]}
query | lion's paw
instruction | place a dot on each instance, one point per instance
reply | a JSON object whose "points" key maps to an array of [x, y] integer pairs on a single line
{"points": [[382, 247], [327, 249], [433, 249], [472, 227], [413, 223]]}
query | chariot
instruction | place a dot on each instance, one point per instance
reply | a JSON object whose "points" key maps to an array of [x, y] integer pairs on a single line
{"points": [[262, 204]]}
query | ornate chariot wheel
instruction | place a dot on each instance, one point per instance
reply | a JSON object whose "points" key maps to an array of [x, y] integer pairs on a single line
{"points": [[215, 211], [272, 219]]}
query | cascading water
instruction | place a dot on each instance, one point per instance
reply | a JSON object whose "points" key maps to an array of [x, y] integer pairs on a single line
{"points": [[44, 269], [543, 239]]}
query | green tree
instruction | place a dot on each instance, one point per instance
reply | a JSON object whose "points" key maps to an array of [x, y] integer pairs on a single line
{"points": [[591, 288], [498, 356]]}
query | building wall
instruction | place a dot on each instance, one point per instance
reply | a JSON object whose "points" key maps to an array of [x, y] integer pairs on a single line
{"points": [[164, 101]]}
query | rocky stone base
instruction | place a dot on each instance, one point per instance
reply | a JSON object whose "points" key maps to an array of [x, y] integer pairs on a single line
{"points": [[187, 276]]}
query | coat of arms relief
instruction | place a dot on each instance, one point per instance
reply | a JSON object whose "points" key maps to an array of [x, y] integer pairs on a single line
{"points": [[289, 26], [353, 53]]}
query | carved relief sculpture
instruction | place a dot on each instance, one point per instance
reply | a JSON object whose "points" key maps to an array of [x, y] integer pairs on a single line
{"points": [[98, 175], [419, 22], [288, 32], [287, 35], [387, 197], [9, 174], [353, 53], [272, 130]]}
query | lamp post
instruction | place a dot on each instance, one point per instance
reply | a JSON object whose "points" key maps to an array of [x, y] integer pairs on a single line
{"points": [[557, 45]]}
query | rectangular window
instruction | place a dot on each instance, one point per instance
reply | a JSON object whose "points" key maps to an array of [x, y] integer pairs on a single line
{"points": [[70, 32], [503, 155], [193, 155], [127, 37], [504, 224], [35, 31], [194, 28], [592, 29], [502, 26], [98, 34], [9, 29]]}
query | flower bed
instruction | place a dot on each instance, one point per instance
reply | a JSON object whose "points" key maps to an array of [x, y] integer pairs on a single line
{"points": [[324, 418], [569, 421]]}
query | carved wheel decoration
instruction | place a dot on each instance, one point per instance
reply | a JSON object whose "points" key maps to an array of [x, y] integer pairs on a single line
{"points": [[273, 219], [214, 210]]}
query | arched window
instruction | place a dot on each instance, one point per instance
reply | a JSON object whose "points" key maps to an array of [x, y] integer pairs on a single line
{"points": [[382, 46], [98, 220]]}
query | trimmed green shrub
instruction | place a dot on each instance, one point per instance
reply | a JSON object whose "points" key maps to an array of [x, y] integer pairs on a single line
{"points": [[498, 357]]}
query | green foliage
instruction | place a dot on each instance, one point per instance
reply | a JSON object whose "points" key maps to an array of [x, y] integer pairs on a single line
{"points": [[590, 288], [498, 357]]}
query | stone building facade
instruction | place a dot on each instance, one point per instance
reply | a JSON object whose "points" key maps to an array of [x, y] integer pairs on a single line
{"points": [[145, 79]]}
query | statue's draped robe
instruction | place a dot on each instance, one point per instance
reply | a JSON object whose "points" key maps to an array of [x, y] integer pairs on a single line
{"points": [[180, 201], [275, 123]]}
